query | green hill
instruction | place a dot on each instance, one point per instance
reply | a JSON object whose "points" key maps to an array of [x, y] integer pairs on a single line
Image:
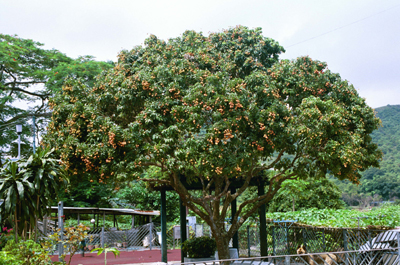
{"points": [[383, 182]]}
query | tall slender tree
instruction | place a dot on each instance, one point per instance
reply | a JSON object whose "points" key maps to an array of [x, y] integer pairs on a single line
{"points": [[29, 75]]}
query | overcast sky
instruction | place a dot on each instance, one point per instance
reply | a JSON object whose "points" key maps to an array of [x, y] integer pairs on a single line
{"points": [[360, 39]]}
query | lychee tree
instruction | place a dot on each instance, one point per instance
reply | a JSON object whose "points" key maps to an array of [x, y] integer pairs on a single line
{"points": [[214, 109]]}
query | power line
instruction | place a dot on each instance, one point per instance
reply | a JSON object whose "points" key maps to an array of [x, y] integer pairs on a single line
{"points": [[347, 25]]}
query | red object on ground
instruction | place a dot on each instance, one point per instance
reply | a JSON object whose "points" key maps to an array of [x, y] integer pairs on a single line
{"points": [[125, 257]]}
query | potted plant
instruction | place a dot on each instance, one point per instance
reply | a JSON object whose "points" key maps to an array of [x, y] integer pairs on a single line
{"points": [[199, 249]]}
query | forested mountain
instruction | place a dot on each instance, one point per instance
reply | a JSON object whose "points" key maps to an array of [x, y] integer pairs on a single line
{"points": [[383, 182]]}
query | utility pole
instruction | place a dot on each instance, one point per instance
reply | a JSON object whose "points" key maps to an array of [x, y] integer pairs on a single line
{"points": [[34, 133], [19, 131]]}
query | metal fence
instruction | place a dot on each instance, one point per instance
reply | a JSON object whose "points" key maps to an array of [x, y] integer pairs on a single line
{"points": [[286, 240], [145, 236], [280, 240], [369, 257]]}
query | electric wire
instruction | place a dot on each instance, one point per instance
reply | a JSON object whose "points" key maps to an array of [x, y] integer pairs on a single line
{"points": [[344, 26]]}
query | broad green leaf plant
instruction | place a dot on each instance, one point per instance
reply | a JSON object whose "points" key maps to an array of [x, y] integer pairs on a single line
{"points": [[106, 250], [28, 187]]}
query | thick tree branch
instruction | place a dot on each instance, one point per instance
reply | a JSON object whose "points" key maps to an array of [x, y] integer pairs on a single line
{"points": [[186, 197], [23, 83], [24, 116], [42, 96], [274, 187]]}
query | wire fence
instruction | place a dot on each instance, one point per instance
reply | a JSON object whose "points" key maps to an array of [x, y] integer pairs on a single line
{"points": [[285, 240], [281, 240], [359, 257]]}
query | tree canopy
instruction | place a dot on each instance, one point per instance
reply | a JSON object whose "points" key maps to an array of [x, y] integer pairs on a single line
{"points": [[381, 183], [29, 75], [214, 109]]}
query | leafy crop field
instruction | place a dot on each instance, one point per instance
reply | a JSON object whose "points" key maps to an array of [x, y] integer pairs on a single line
{"points": [[384, 216]]}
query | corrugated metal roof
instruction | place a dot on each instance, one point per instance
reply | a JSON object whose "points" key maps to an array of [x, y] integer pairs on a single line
{"points": [[107, 211]]}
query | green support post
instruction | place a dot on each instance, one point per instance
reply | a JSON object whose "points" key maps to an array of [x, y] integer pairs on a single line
{"points": [[163, 212], [248, 241], [263, 223], [235, 239], [182, 210]]}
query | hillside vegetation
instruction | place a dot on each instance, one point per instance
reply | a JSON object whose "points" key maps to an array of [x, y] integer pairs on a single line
{"points": [[382, 183]]}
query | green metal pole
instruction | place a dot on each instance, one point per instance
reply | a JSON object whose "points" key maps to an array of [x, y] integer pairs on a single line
{"points": [[163, 213], [182, 210], [248, 241], [235, 239], [263, 223]]}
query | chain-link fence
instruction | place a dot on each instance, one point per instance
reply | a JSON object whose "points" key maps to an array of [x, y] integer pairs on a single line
{"points": [[283, 240], [280, 240], [370, 257]]}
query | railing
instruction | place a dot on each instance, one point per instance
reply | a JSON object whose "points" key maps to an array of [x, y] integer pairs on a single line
{"points": [[369, 257], [280, 240], [285, 241]]}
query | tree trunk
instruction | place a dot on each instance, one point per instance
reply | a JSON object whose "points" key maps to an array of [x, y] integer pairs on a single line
{"points": [[16, 225], [293, 204], [25, 230], [222, 247], [36, 218], [222, 241]]}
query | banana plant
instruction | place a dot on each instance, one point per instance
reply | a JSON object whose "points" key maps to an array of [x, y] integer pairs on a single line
{"points": [[47, 177], [16, 191], [28, 187]]}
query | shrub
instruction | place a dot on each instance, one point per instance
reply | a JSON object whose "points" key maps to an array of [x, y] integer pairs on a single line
{"points": [[199, 247], [8, 259], [5, 236], [25, 252], [74, 238]]}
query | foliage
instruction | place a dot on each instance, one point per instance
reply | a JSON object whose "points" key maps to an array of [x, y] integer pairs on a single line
{"points": [[28, 187], [320, 194], [23, 64], [385, 216], [5, 236], [16, 191], [87, 194], [31, 74], [213, 110], [137, 196], [383, 182], [199, 247], [105, 250], [47, 177], [7, 259], [84, 68], [27, 252], [72, 240]]}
